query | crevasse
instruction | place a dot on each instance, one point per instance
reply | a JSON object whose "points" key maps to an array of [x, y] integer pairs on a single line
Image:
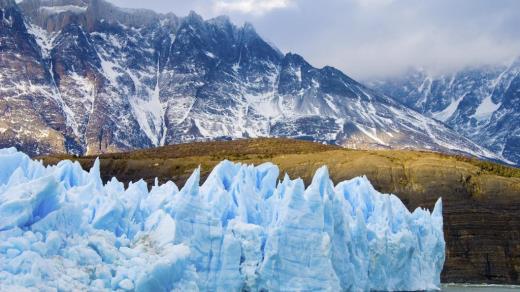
{"points": [[62, 228]]}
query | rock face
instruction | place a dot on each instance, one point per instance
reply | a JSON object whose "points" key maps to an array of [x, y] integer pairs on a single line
{"points": [[482, 103], [481, 200], [86, 77], [31, 110]]}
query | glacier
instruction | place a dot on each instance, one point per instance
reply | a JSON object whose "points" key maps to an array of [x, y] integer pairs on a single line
{"points": [[243, 229]]}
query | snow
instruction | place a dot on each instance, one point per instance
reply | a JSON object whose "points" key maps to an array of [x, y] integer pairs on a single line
{"points": [[372, 135], [27, 87], [486, 109], [210, 54], [63, 229], [110, 72], [330, 103], [84, 86], [44, 39], [298, 73], [236, 67], [76, 9], [149, 110], [445, 114], [425, 89], [264, 103], [7, 21]]}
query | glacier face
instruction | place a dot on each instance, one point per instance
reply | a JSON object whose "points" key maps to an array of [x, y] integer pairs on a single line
{"points": [[241, 229]]}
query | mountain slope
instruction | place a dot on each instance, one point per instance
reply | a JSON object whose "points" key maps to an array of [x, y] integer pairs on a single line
{"points": [[111, 79], [482, 103]]}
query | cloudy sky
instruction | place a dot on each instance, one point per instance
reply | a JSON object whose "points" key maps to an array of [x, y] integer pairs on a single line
{"points": [[373, 38]]}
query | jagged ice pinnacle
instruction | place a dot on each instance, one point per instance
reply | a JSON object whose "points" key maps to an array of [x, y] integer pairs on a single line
{"points": [[62, 228]]}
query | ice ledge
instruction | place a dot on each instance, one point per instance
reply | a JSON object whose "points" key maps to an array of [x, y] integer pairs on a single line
{"points": [[242, 229]]}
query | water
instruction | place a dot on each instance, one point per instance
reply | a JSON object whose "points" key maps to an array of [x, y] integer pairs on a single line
{"points": [[479, 288]]}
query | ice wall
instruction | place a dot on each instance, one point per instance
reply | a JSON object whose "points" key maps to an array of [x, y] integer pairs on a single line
{"points": [[61, 228]]}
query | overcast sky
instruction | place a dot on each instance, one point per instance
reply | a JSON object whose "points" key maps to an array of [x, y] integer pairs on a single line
{"points": [[373, 38]]}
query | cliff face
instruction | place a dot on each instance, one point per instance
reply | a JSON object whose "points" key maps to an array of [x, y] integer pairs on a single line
{"points": [[31, 101], [481, 200]]}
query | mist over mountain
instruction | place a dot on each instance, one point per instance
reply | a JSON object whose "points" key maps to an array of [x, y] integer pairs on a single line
{"points": [[480, 102]]}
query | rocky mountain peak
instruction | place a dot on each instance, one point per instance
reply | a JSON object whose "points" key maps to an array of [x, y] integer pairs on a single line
{"points": [[194, 18], [54, 15], [95, 78], [479, 102], [221, 20], [292, 59], [249, 29]]}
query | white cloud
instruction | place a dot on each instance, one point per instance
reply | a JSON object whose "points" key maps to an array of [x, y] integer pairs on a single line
{"points": [[373, 3], [250, 6]]}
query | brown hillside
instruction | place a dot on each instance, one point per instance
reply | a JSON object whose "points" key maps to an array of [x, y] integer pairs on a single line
{"points": [[481, 199]]}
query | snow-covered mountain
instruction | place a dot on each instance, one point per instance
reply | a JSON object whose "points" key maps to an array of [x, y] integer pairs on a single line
{"points": [[482, 103], [83, 76]]}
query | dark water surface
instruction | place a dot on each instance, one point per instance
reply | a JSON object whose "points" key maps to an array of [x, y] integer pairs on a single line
{"points": [[479, 288]]}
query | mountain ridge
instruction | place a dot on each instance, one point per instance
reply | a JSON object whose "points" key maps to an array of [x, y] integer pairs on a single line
{"points": [[109, 79], [479, 102]]}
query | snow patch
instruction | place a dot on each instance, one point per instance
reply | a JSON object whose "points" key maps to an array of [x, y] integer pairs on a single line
{"points": [[149, 114], [149, 111], [236, 67], [76, 9], [209, 54], [84, 85], [371, 133], [486, 109], [298, 73], [110, 72], [445, 114], [44, 39]]}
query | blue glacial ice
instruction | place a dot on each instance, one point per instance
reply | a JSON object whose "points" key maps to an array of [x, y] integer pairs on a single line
{"points": [[62, 229]]}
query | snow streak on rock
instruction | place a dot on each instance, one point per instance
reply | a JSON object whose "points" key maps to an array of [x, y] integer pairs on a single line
{"points": [[481, 103], [109, 79], [62, 228]]}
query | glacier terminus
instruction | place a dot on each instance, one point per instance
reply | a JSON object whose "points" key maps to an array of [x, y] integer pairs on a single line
{"points": [[243, 229]]}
